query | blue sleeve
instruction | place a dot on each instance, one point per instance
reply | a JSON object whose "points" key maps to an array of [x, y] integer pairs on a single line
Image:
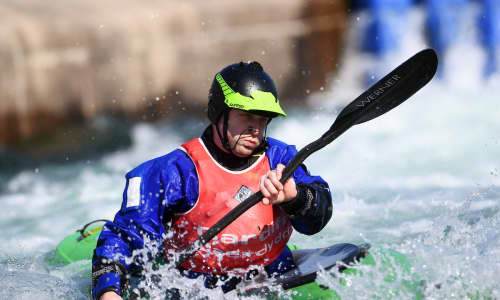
{"points": [[154, 191], [314, 207]]}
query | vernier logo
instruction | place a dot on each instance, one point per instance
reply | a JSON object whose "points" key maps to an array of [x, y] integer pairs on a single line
{"points": [[380, 90]]}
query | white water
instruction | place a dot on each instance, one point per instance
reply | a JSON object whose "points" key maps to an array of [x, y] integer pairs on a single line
{"points": [[422, 179]]}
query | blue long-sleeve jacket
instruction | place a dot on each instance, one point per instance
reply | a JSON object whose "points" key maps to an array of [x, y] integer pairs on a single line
{"points": [[161, 187]]}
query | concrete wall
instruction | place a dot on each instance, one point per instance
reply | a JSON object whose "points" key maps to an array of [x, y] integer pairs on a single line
{"points": [[66, 61]]}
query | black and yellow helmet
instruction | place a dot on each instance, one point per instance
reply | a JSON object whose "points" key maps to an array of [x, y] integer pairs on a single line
{"points": [[243, 86]]}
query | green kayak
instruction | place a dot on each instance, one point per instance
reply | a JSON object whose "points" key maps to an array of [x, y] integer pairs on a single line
{"points": [[79, 247]]}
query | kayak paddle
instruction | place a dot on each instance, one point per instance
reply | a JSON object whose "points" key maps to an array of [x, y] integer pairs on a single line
{"points": [[387, 93]]}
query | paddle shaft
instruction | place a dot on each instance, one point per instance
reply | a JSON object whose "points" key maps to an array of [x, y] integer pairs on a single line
{"points": [[384, 95]]}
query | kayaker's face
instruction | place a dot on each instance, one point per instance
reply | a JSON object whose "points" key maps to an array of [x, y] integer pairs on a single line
{"points": [[244, 131]]}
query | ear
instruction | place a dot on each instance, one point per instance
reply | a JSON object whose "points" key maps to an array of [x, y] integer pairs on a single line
{"points": [[215, 127]]}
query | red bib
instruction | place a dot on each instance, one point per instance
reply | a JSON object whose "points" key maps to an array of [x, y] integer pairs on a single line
{"points": [[257, 237]]}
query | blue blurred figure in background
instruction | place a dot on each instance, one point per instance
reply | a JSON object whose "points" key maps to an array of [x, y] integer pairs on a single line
{"points": [[388, 20], [489, 26], [381, 35], [442, 25]]}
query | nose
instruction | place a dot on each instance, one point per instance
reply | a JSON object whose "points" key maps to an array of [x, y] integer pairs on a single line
{"points": [[254, 130]]}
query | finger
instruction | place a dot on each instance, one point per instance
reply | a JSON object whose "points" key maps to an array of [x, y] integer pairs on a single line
{"points": [[265, 193], [275, 181], [266, 201], [279, 171], [271, 188], [263, 188]]}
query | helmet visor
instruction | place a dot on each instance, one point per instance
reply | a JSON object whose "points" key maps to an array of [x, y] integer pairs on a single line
{"points": [[259, 101]]}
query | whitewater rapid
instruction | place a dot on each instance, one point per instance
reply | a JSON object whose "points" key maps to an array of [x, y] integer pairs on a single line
{"points": [[422, 179]]}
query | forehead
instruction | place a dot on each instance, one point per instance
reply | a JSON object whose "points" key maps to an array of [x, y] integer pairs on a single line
{"points": [[246, 115]]}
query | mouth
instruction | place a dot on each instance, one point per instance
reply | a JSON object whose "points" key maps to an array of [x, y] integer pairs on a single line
{"points": [[250, 143]]}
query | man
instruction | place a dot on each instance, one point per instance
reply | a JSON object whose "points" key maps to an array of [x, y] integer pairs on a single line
{"points": [[171, 200]]}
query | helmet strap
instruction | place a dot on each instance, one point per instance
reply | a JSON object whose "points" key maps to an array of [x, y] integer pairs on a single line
{"points": [[223, 137], [264, 136], [225, 141]]}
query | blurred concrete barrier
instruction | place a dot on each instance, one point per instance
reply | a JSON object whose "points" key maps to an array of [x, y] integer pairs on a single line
{"points": [[69, 61]]}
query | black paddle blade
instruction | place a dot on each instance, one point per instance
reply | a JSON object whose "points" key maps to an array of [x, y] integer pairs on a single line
{"points": [[393, 89]]}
